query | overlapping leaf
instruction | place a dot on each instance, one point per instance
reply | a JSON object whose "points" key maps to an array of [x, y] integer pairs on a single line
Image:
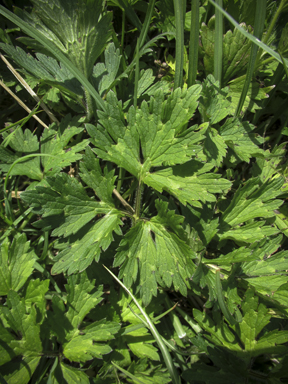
{"points": [[15, 316], [45, 69], [251, 201], [72, 213], [55, 141], [80, 343], [105, 74], [152, 253], [189, 183], [16, 264], [156, 126], [255, 318], [236, 49], [215, 103], [64, 23]]}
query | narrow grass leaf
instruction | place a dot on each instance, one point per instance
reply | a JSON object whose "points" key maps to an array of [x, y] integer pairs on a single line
{"points": [[218, 48], [258, 30], [254, 39], [179, 57], [136, 75], [193, 43], [165, 353], [221, 300]]}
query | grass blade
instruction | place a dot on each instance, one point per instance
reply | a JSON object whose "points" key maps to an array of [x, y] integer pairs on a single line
{"points": [[275, 81], [134, 378], [33, 32], [148, 17], [218, 48], [258, 30], [130, 14], [179, 56], [271, 27], [254, 39], [194, 42], [136, 74], [221, 300], [24, 106], [165, 353]]}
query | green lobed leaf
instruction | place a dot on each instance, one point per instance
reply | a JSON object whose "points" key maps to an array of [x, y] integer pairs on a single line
{"points": [[236, 49], [81, 343], [239, 136], [256, 317], [81, 249], [56, 141], [189, 182], [104, 74], [267, 275], [19, 142], [63, 24], [252, 200], [101, 182], [165, 143], [16, 263], [35, 294], [145, 81], [45, 69], [26, 325], [92, 342], [20, 372], [215, 103], [87, 224], [214, 147], [67, 199], [162, 256], [254, 96]]}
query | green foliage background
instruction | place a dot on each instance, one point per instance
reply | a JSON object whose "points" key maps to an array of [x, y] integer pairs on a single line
{"points": [[163, 160]]}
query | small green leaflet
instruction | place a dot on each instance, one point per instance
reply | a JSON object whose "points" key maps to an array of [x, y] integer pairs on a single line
{"points": [[104, 74]]}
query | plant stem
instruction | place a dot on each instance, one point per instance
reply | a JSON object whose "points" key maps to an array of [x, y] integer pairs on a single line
{"points": [[124, 202], [194, 43], [138, 202], [136, 75], [218, 50], [179, 57]]}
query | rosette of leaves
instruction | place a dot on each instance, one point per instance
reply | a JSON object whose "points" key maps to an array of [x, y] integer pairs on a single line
{"points": [[153, 145]]}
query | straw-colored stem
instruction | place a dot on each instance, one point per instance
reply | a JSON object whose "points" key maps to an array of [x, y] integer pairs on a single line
{"points": [[29, 89], [20, 102]]}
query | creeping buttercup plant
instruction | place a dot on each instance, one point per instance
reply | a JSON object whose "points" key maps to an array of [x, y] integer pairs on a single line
{"points": [[144, 241]]}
